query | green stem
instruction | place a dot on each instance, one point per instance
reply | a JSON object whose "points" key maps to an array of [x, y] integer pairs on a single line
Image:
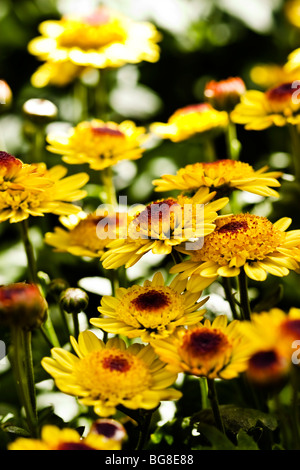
{"points": [[23, 370], [295, 148], [204, 393], [232, 143], [209, 150], [109, 187], [213, 397], [144, 430], [229, 297], [76, 325], [244, 298], [32, 269]]}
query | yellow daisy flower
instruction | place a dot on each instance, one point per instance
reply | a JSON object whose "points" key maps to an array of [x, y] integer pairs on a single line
{"points": [[151, 311], [277, 106], [99, 144], [32, 189], [223, 176], [82, 236], [243, 241], [212, 349], [53, 438], [107, 375], [190, 121], [103, 39], [162, 225]]}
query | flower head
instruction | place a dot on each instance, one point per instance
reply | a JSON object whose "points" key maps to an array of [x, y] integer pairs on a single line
{"points": [[222, 176], [190, 121], [102, 39], [162, 225], [22, 305], [32, 189], [53, 438], [107, 375], [151, 311], [225, 94], [268, 368], [243, 241], [99, 144], [212, 350], [277, 106], [81, 234]]}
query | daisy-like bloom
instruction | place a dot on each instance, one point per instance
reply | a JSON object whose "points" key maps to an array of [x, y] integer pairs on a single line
{"points": [[107, 375], [81, 234], [102, 39], [162, 225], [225, 94], [190, 121], [33, 190], [104, 435], [242, 241], [151, 311], [278, 106], [212, 349], [99, 144], [273, 329], [222, 176]]}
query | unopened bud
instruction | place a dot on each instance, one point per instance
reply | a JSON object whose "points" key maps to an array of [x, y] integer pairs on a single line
{"points": [[22, 305], [40, 111], [225, 94], [74, 300], [5, 95]]}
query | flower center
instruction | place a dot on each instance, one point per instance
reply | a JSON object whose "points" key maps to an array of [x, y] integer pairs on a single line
{"points": [[245, 235], [106, 131], [263, 359], [85, 234], [281, 98], [205, 342], [291, 328], [151, 300], [73, 446], [112, 374]]}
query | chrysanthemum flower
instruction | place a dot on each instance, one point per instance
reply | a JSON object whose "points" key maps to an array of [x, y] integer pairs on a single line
{"points": [[162, 225], [81, 234], [102, 39], [243, 241], [32, 189], [212, 350], [273, 329], [222, 176], [99, 144], [190, 121], [107, 375], [53, 438], [277, 106], [151, 311], [224, 95]]}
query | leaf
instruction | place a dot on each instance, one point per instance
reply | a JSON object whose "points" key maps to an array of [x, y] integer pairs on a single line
{"points": [[216, 438], [246, 442]]}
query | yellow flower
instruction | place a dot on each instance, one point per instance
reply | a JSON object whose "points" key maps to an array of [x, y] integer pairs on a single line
{"points": [[162, 225], [190, 121], [243, 241], [212, 350], [271, 75], [107, 375], [151, 311], [277, 106], [102, 39], [99, 144], [56, 73], [223, 176], [273, 329], [32, 189], [82, 237], [292, 12], [53, 438]]}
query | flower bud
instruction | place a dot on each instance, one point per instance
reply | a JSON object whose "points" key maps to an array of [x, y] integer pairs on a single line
{"points": [[74, 300], [22, 305], [56, 287], [40, 111], [225, 94]]}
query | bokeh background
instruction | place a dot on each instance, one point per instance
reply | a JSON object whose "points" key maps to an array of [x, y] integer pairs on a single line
{"points": [[201, 40]]}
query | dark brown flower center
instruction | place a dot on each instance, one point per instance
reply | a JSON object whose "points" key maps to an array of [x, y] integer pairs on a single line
{"points": [[233, 227], [74, 446], [151, 300], [8, 160], [105, 130], [119, 364], [282, 92], [263, 359], [205, 342], [291, 327]]}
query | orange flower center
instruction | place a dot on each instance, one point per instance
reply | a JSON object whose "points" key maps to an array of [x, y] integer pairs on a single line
{"points": [[205, 343], [105, 130], [119, 364]]}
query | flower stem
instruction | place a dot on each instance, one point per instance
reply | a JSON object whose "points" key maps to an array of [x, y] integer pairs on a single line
{"points": [[144, 429], [244, 298], [204, 393], [31, 262], [109, 187], [23, 369], [229, 297], [233, 144], [213, 397]]}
